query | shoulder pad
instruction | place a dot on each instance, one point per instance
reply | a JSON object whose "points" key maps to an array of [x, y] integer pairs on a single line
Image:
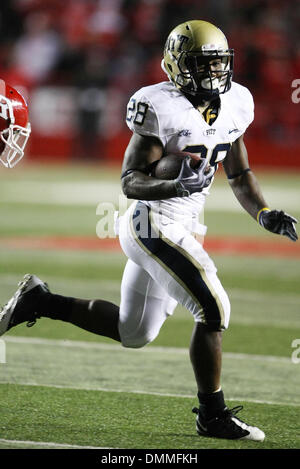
{"points": [[149, 111], [241, 103]]}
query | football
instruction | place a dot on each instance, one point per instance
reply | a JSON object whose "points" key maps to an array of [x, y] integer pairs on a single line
{"points": [[168, 167]]}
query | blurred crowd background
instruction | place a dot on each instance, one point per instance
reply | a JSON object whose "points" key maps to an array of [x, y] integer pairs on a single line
{"points": [[78, 61]]}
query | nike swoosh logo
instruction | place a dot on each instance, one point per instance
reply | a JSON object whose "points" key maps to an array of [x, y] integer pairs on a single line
{"points": [[233, 130]]}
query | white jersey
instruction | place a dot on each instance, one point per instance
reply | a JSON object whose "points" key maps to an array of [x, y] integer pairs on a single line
{"points": [[162, 111]]}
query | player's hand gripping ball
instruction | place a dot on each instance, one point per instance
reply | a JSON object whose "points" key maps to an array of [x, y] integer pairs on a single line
{"points": [[189, 172]]}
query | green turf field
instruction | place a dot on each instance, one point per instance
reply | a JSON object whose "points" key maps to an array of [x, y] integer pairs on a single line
{"points": [[62, 387]]}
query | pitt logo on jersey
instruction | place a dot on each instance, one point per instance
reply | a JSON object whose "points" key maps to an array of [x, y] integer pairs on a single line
{"points": [[209, 132]]}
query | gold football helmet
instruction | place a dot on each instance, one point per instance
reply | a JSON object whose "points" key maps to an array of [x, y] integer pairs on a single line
{"points": [[197, 59]]}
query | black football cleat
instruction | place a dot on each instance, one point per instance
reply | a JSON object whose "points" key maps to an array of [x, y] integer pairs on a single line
{"points": [[21, 307], [226, 425]]}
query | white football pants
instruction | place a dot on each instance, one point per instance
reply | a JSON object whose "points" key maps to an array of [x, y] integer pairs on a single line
{"points": [[166, 266]]}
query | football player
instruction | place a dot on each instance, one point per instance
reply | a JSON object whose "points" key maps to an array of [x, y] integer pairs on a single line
{"points": [[14, 125], [198, 110]]}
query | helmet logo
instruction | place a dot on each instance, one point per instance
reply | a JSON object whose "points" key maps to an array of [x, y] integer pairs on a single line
{"points": [[172, 40], [4, 110]]}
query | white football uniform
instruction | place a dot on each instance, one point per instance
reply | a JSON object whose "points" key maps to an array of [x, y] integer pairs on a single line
{"points": [[167, 265]]}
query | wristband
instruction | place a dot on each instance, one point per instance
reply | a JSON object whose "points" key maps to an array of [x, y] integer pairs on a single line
{"points": [[265, 209], [240, 173]]}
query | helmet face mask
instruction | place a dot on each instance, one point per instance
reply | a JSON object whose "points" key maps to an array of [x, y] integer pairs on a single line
{"points": [[206, 75], [197, 59], [14, 126], [15, 139]]}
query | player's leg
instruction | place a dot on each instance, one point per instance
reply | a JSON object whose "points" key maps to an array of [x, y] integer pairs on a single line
{"points": [[97, 316], [33, 300], [179, 263], [206, 340], [206, 358], [145, 306], [181, 266]]}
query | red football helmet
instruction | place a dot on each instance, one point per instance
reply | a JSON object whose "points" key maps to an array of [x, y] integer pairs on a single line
{"points": [[14, 126]]}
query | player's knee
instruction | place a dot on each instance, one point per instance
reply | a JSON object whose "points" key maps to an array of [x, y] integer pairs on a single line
{"points": [[215, 315], [219, 322], [138, 341], [214, 326]]}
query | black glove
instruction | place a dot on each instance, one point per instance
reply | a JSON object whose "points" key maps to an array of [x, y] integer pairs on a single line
{"points": [[192, 180], [279, 222]]}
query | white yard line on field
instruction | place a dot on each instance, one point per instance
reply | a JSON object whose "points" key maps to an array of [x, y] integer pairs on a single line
{"points": [[152, 349], [156, 371], [147, 393], [47, 444]]}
